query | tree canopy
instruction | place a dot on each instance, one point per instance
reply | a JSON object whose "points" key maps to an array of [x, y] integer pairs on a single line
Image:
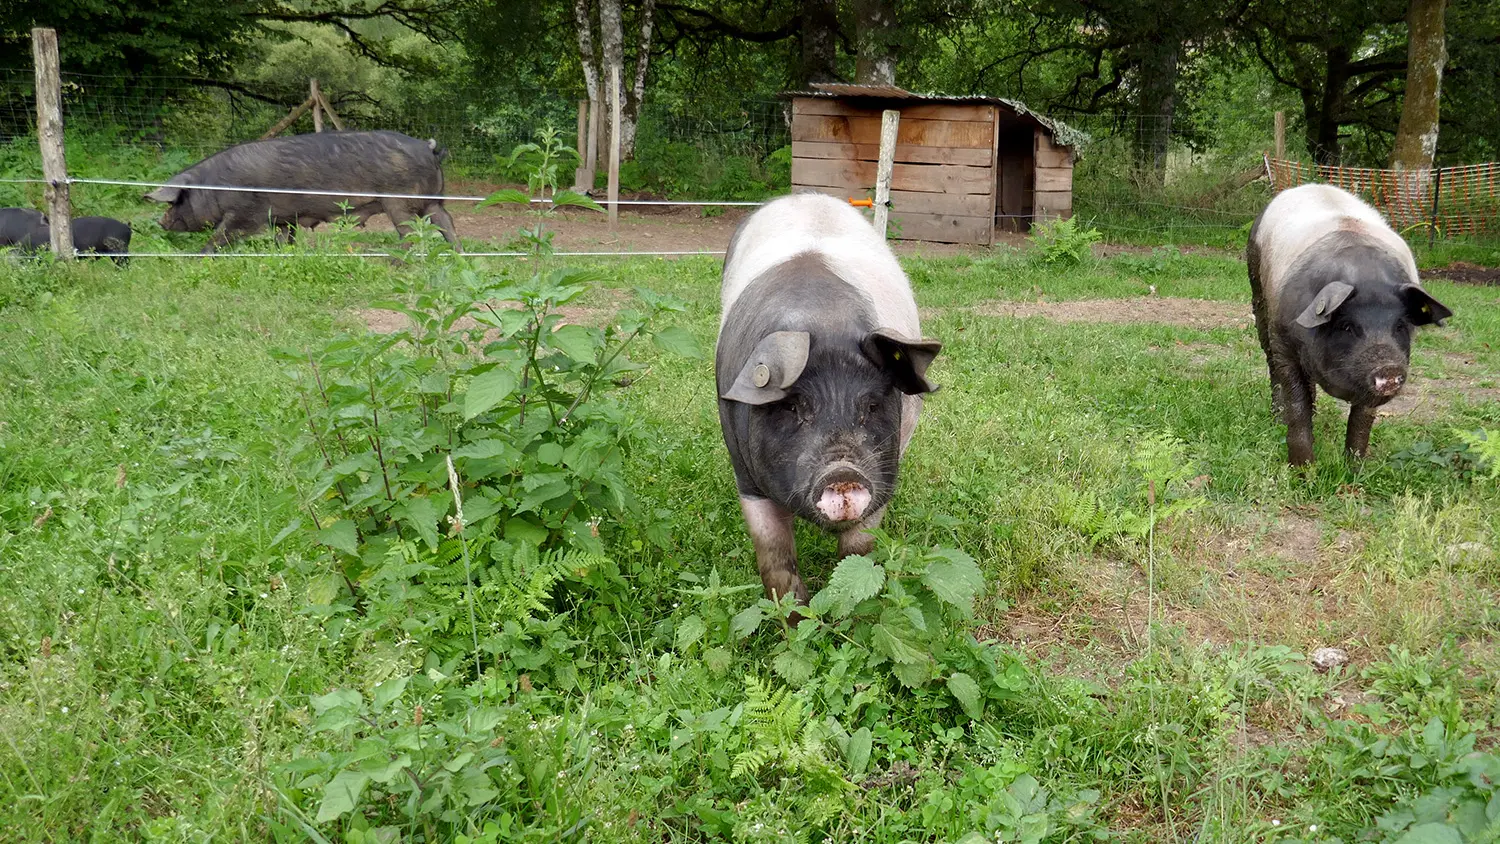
{"points": [[1160, 71]]}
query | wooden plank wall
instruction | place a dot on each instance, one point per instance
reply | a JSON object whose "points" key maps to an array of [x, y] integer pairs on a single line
{"points": [[943, 184], [1054, 179]]}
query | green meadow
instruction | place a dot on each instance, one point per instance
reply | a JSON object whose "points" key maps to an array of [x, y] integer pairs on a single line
{"points": [[238, 604]]}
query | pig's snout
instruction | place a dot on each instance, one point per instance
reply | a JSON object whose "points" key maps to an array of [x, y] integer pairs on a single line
{"points": [[1388, 380], [843, 493]]}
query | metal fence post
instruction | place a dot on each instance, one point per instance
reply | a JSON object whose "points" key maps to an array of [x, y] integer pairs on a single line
{"points": [[1437, 187]]}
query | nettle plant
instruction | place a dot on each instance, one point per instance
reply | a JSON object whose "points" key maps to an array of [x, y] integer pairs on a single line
{"points": [[463, 465], [458, 471], [902, 612]]}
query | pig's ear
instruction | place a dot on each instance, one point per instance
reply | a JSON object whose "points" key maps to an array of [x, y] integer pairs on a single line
{"points": [[776, 363], [166, 194], [1324, 304], [906, 360], [1421, 308]]}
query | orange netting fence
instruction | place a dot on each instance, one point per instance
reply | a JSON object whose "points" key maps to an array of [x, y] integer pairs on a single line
{"points": [[1446, 201]]}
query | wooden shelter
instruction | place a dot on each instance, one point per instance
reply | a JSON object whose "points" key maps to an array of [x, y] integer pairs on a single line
{"points": [[964, 166]]}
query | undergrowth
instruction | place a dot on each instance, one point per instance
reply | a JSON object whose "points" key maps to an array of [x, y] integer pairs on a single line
{"points": [[482, 577]]}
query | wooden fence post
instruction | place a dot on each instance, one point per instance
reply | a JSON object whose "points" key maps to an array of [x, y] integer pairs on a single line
{"points": [[49, 132], [1280, 135], [614, 148], [583, 177], [328, 109], [890, 122], [596, 131], [291, 117], [317, 100]]}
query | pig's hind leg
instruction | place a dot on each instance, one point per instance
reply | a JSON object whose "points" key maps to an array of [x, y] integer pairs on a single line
{"points": [[444, 221], [1297, 395], [401, 216], [770, 527], [1263, 333]]}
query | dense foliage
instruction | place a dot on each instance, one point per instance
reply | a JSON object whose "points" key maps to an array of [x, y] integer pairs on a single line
{"points": [[1179, 78], [477, 578], [323, 548]]}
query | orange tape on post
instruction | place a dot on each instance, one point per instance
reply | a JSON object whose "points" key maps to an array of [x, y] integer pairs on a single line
{"points": [[862, 203]]}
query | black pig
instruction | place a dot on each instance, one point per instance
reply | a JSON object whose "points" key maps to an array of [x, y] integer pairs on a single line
{"points": [[820, 369], [16, 223], [370, 162], [1336, 302], [100, 235]]}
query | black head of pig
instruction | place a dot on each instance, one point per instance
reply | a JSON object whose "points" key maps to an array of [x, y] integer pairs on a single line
{"points": [[181, 214], [1358, 322], [829, 406]]}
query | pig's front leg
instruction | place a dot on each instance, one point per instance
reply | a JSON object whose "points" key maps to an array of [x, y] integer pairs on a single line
{"points": [[855, 540], [770, 527], [1357, 438]]}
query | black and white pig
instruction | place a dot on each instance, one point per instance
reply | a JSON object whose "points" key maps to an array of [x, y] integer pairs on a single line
{"points": [[820, 367], [1336, 302], [16, 223]]}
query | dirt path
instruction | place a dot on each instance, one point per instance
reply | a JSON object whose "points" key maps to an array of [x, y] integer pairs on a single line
{"points": [[1464, 272], [1202, 314], [641, 228]]}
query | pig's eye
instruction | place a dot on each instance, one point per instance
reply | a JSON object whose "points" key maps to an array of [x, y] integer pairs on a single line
{"points": [[798, 409], [1347, 328]]}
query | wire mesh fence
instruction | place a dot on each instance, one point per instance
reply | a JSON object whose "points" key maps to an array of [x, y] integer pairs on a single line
{"points": [[1448, 200], [716, 151]]}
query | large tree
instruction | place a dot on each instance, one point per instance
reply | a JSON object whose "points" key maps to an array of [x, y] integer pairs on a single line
{"points": [[1426, 55], [1117, 57], [1344, 58], [125, 41], [878, 36], [607, 18]]}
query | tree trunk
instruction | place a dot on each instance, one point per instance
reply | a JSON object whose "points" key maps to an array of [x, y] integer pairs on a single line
{"points": [[630, 115], [583, 18], [878, 40], [1323, 109], [819, 36], [1156, 105], [1426, 54], [612, 37]]}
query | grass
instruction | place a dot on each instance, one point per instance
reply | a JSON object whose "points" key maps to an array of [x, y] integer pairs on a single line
{"points": [[160, 648]]}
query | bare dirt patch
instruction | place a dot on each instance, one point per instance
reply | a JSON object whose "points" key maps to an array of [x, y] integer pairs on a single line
{"points": [[1426, 397], [645, 229], [1202, 314], [1114, 250], [674, 230], [1464, 272], [642, 228], [1276, 577]]}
